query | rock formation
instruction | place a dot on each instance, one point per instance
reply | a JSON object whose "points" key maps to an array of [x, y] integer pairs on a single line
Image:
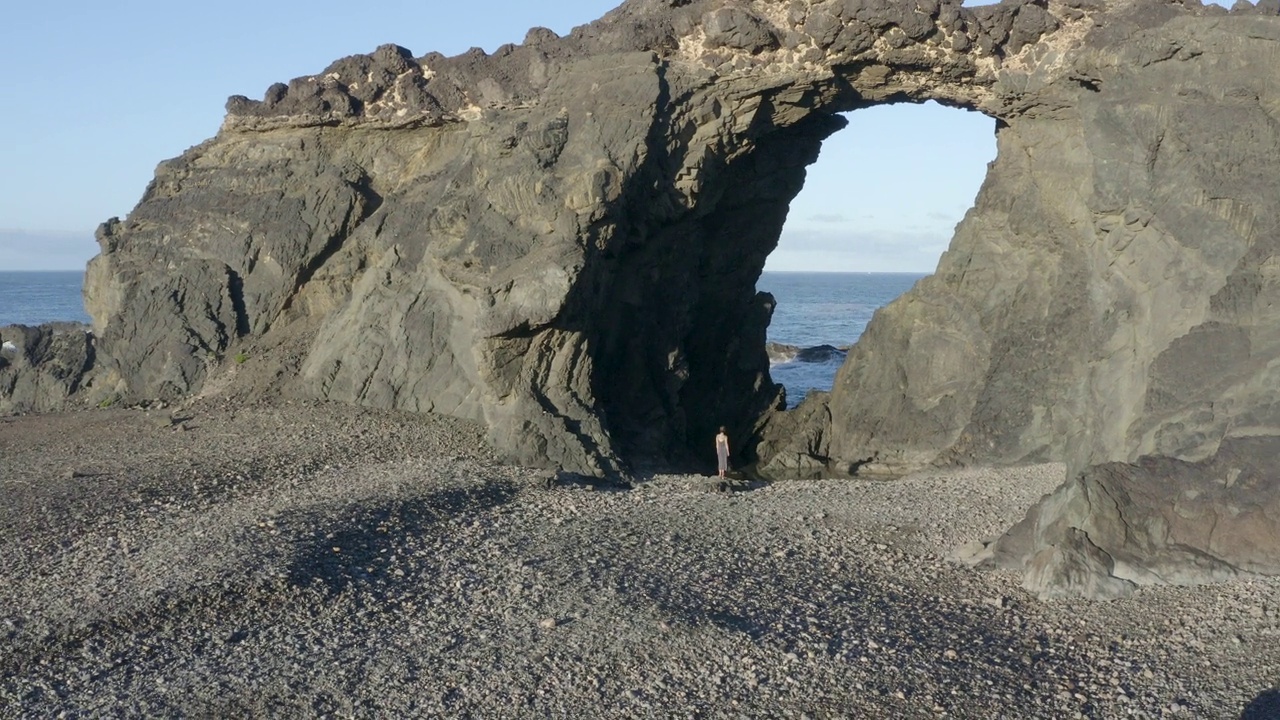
{"points": [[562, 240], [41, 367]]}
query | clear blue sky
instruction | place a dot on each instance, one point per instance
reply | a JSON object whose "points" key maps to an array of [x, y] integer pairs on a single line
{"points": [[887, 191], [97, 93]]}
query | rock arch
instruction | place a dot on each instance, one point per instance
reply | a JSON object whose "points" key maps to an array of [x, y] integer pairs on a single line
{"points": [[561, 239]]}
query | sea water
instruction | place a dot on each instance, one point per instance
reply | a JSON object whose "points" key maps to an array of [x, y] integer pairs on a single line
{"points": [[823, 308], [31, 298], [813, 309]]}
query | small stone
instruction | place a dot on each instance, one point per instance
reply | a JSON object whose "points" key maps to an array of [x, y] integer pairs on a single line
{"points": [[548, 623]]}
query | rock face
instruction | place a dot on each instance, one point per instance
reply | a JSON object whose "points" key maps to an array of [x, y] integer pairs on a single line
{"points": [[1158, 520], [562, 240], [42, 367]]}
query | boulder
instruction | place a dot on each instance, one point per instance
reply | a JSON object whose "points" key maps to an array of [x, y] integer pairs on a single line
{"points": [[1158, 520]]}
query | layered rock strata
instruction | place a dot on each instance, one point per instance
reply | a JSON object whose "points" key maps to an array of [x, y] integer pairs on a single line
{"points": [[562, 239]]}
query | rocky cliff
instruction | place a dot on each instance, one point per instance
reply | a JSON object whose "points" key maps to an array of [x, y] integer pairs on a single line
{"points": [[562, 239]]}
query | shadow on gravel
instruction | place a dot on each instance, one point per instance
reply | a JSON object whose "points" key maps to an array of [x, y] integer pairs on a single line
{"points": [[1264, 707], [357, 549], [871, 621]]}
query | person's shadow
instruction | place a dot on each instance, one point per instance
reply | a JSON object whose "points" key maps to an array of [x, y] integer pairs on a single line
{"points": [[1266, 706]]}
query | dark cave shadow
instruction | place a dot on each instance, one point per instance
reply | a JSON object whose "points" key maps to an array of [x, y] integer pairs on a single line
{"points": [[1266, 706], [355, 550]]}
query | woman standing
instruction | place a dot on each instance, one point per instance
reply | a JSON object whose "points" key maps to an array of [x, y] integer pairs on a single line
{"points": [[722, 451]]}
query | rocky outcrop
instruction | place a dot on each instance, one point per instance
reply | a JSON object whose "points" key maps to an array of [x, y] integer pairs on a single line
{"points": [[797, 442], [1106, 302], [783, 353], [1156, 521], [821, 354], [42, 368], [562, 240], [1102, 301]]}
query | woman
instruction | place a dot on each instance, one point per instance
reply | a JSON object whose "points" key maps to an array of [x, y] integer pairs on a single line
{"points": [[722, 451]]}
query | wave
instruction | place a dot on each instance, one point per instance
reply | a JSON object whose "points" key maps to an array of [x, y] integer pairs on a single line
{"points": [[780, 352]]}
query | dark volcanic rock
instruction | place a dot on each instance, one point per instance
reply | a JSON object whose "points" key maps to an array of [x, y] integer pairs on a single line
{"points": [[820, 354], [562, 240], [740, 29], [41, 367], [795, 445]]}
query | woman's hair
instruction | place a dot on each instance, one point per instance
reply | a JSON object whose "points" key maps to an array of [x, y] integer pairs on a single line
{"points": [[721, 428]]}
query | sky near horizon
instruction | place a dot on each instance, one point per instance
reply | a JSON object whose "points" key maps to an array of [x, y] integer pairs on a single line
{"points": [[98, 93]]}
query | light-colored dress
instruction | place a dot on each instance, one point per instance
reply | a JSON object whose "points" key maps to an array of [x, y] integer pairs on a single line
{"points": [[722, 451]]}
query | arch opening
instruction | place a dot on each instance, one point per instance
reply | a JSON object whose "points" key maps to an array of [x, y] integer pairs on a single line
{"points": [[685, 295], [877, 210]]}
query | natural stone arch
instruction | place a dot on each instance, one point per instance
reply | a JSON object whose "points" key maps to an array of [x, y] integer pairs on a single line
{"points": [[562, 239]]}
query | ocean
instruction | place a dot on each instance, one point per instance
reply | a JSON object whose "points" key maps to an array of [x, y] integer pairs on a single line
{"points": [[31, 298], [814, 309], [822, 308]]}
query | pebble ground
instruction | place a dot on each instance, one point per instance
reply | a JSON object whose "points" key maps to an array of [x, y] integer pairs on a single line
{"points": [[315, 560]]}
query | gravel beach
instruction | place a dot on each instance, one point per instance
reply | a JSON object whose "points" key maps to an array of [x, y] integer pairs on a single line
{"points": [[315, 560]]}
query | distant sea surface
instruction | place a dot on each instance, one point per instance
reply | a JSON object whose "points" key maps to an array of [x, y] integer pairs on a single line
{"points": [[31, 298], [820, 308], [814, 309]]}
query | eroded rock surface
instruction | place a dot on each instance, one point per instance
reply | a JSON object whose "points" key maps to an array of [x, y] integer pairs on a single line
{"points": [[562, 240], [42, 368], [1155, 521]]}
